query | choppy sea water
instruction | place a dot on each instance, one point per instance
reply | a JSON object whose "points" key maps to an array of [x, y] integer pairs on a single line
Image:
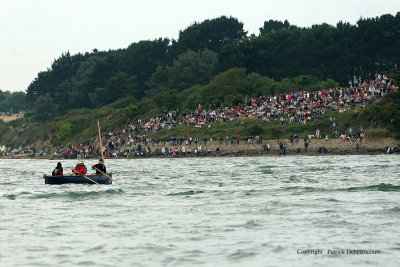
{"points": [[249, 211]]}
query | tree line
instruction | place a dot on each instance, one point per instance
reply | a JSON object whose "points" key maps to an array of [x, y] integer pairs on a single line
{"points": [[13, 102], [219, 57]]}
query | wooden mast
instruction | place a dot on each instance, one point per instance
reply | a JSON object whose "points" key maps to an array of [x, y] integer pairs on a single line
{"points": [[100, 141]]}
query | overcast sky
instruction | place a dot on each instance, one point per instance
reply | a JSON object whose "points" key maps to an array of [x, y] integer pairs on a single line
{"points": [[35, 32]]}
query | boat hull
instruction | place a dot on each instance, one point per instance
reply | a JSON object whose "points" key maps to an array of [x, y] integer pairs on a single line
{"points": [[77, 179]]}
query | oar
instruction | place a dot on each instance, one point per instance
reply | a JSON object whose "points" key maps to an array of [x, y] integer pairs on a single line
{"points": [[103, 173], [89, 178]]}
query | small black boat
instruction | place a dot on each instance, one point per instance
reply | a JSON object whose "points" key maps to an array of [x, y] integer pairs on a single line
{"points": [[78, 179]]}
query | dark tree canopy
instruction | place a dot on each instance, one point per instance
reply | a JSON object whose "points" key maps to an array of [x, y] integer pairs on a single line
{"points": [[274, 25], [211, 34], [218, 51], [13, 102]]}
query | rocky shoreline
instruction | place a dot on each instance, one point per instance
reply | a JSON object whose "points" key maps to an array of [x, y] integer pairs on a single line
{"points": [[220, 149]]}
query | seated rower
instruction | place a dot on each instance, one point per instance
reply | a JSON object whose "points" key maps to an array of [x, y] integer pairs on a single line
{"points": [[100, 167], [80, 168], [58, 171]]}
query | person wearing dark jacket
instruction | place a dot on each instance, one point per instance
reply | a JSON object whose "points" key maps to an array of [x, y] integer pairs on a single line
{"points": [[100, 167], [58, 171]]}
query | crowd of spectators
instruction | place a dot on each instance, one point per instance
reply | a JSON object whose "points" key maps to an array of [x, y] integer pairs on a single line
{"points": [[295, 107]]}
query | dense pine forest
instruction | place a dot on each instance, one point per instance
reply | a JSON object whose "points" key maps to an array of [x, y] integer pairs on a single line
{"points": [[211, 63]]}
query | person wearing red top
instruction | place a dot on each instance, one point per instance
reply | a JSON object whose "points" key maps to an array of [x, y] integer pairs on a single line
{"points": [[80, 168]]}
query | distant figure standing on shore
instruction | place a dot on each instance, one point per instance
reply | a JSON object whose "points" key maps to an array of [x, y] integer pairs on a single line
{"points": [[306, 143]]}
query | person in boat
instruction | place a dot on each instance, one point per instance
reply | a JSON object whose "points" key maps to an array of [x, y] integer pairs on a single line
{"points": [[58, 170], [100, 167], [80, 168]]}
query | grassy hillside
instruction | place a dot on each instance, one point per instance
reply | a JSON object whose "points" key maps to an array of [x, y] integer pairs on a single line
{"points": [[230, 87], [80, 125]]}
